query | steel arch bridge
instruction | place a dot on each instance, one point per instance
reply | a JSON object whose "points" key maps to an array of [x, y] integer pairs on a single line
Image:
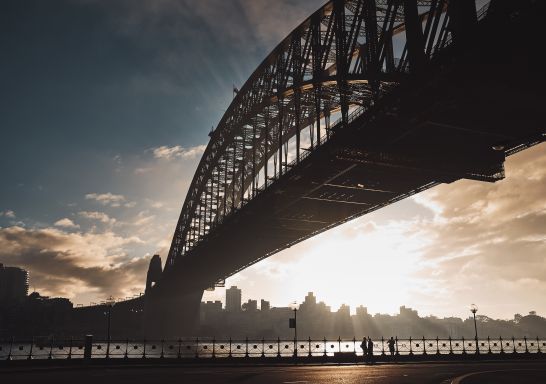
{"points": [[363, 104]]}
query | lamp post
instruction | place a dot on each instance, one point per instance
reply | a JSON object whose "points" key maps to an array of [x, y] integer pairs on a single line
{"points": [[474, 309], [110, 302], [294, 324]]}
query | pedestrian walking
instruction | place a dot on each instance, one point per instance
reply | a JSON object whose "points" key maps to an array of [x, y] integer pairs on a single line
{"points": [[370, 349], [391, 344], [364, 346]]}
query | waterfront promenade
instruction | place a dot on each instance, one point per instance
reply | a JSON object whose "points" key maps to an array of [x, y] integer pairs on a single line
{"points": [[423, 373]]}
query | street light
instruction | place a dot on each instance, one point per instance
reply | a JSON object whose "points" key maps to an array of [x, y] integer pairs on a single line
{"points": [[110, 302], [474, 309], [293, 323]]}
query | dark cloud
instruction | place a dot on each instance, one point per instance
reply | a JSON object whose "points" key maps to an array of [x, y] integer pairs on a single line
{"points": [[67, 264]]}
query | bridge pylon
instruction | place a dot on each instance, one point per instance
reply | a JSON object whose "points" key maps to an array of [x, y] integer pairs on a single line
{"points": [[172, 314], [171, 306]]}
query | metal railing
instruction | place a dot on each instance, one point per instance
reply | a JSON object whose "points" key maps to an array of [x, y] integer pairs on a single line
{"points": [[88, 348]]}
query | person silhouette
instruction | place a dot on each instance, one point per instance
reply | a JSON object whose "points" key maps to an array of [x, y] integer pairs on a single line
{"points": [[370, 349], [391, 344], [364, 346]]}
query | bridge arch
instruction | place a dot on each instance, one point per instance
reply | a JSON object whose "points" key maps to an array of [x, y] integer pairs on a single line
{"points": [[335, 65]]}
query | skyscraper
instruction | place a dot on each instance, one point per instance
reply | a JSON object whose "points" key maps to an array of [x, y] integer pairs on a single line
{"points": [[251, 305], [310, 303], [310, 299], [233, 299], [13, 283], [361, 311]]}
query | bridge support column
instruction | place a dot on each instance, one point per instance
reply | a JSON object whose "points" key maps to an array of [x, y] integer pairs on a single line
{"points": [[171, 314]]}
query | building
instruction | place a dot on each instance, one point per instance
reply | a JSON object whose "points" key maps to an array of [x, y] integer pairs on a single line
{"points": [[265, 305], [361, 311], [250, 305], [13, 284], [310, 300], [344, 311], [210, 310], [408, 312], [309, 305], [233, 299], [211, 306]]}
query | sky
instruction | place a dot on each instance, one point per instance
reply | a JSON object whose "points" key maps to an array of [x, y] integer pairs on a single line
{"points": [[105, 109]]}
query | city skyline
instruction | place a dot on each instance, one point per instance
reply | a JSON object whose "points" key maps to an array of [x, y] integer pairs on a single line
{"points": [[352, 310], [95, 180], [23, 313], [317, 319], [15, 288]]}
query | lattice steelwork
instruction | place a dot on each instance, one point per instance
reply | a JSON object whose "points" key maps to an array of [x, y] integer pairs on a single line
{"points": [[337, 64]]}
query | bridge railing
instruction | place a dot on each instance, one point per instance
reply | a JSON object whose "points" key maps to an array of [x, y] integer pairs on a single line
{"points": [[209, 348]]}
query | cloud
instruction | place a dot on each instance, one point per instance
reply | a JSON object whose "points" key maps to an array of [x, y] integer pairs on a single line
{"points": [[489, 236], [106, 198], [69, 264], [156, 204], [110, 199], [9, 214], [142, 170], [169, 153], [143, 218], [66, 223], [271, 21], [236, 20], [99, 216], [225, 40]]}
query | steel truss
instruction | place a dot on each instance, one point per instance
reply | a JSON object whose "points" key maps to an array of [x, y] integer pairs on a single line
{"points": [[339, 62]]}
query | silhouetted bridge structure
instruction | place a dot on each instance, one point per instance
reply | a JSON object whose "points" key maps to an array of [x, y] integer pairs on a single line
{"points": [[365, 103]]}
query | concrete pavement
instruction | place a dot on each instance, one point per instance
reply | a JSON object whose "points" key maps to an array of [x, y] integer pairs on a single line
{"points": [[407, 373]]}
